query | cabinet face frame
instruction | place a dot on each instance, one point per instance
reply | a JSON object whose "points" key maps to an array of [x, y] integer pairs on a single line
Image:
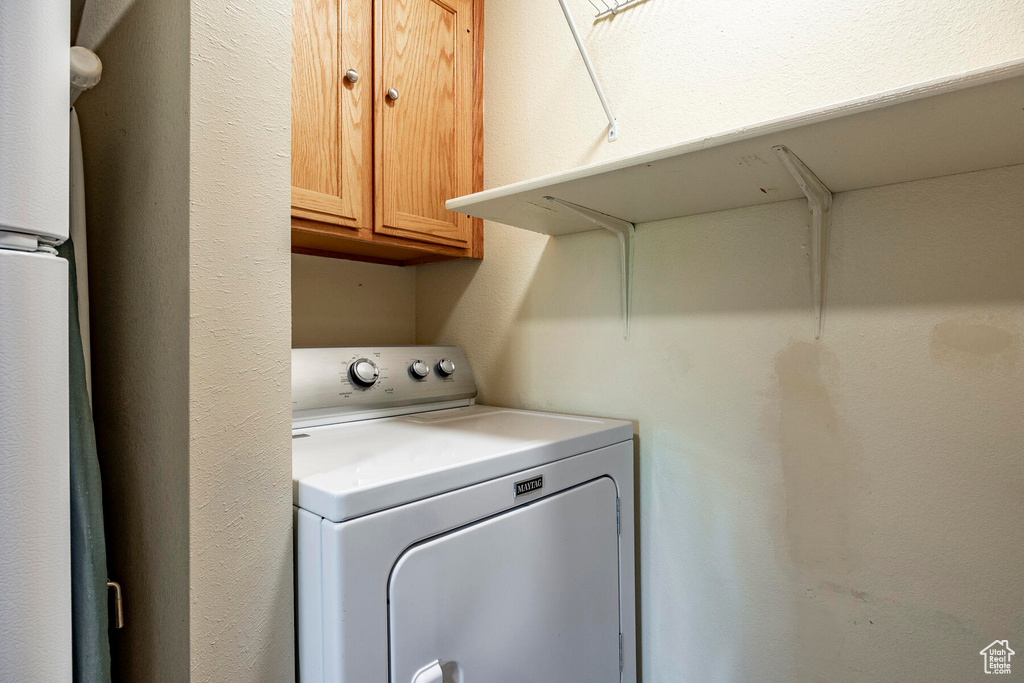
{"points": [[392, 138]]}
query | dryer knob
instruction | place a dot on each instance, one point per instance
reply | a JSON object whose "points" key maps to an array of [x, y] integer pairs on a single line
{"points": [[419, 369], [445, 367], [364, 372]]}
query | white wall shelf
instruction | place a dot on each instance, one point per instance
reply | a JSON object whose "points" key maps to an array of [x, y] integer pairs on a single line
{"points": [[968, 122]]}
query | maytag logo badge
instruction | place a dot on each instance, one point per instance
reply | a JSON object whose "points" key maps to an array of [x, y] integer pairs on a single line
{"points": [[529, 485]]}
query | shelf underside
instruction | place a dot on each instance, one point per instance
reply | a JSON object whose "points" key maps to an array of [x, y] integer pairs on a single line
{"points": [[969, 122]]}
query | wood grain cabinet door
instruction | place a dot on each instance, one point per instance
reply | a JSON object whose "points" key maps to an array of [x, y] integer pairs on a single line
{"points": [[424, 127], [332, 116]]}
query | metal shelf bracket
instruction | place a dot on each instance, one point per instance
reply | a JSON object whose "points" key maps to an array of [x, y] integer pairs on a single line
{"points": [[819, 202], [613, 129], [626, 232]]}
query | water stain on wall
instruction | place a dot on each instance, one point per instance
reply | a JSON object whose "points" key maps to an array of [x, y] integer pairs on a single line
{"points": [[841, 589], [975, 346], [822, 479], [819, 470]]}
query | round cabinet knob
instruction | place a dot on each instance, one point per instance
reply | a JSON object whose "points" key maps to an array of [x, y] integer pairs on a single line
{"points": [[419, 369], [363, 372], [392, 94], [351, 75], [445, 367]]}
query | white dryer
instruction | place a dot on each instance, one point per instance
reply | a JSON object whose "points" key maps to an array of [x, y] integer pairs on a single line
{"points": [[439, 541]]}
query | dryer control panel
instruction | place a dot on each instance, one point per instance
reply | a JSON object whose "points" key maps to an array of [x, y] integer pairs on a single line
{"points": [[345, 383]]}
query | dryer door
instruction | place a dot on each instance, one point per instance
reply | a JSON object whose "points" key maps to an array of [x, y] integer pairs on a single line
{"points": [[528, 596]]}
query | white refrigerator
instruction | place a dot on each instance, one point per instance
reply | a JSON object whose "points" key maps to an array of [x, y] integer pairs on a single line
{"points": [[35, 549]]}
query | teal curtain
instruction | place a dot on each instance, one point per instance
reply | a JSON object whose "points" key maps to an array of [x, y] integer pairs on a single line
{"points": [[90, 642]]}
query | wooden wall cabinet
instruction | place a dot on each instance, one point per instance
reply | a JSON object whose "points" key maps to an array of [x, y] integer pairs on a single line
{"points": [[387, 124]]}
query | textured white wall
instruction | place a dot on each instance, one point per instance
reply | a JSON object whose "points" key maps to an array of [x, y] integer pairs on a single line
{"points": [[240, 492], [349, 303], [678, 70], [842, 510]]}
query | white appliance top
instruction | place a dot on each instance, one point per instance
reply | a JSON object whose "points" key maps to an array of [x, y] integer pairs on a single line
{"points": [[364, 463], [346, 470]]}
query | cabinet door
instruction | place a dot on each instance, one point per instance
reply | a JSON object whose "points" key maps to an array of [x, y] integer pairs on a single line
{"points": [[332, 117], [425, 136]]}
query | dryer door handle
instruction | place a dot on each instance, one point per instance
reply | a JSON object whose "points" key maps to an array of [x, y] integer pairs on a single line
{"points": [[431, 673]]}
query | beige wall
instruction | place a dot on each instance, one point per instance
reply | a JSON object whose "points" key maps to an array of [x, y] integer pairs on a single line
{"points": [[348, 303], [135, 133], [240, 491], [847, 509], [186, 148]]}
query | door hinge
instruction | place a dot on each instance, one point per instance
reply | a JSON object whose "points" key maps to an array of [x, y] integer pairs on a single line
{"points": [[620, 653], [618, 518]]}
